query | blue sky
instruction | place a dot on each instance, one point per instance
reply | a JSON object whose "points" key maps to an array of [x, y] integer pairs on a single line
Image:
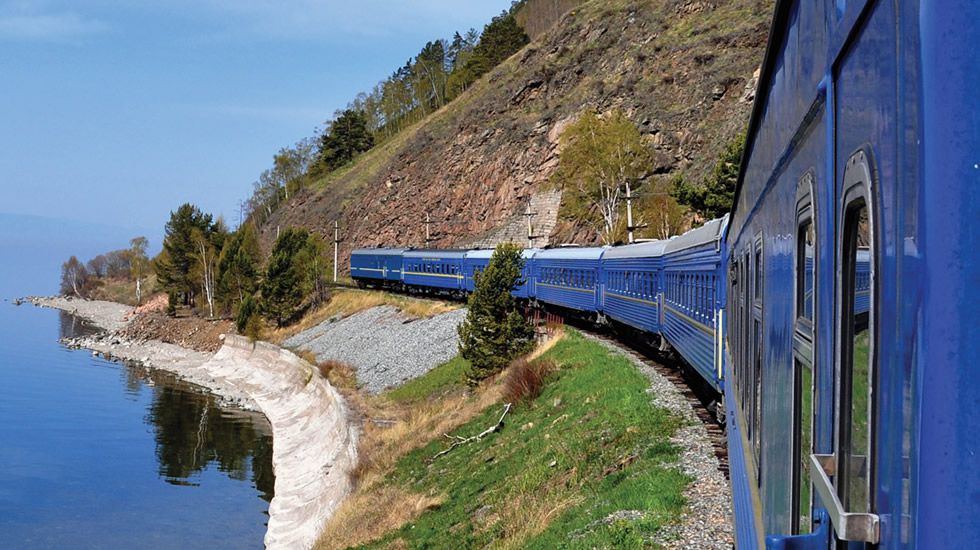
{"points": [[116, 111]]}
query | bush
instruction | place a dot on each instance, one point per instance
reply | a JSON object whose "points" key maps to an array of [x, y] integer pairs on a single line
{"points": [[339, 374], [525, 380]]}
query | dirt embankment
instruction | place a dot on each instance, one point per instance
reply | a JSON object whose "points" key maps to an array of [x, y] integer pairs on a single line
{"points": [[190, 332]]}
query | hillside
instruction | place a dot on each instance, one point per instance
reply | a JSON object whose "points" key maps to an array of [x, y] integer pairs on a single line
{"points": [[681, 70]]}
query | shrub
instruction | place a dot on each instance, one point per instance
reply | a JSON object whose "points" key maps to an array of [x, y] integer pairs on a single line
{"points": [[338, 373], [525, 380]]}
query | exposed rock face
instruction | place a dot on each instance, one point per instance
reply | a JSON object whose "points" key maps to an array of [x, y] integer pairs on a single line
{"points": [[679, 69]]}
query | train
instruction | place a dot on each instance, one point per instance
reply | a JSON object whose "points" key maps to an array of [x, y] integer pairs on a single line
{"points": [[834, 310]]}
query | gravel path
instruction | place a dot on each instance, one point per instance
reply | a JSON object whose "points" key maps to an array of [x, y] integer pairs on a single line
{"points": [[707, 518], [385, 347]]}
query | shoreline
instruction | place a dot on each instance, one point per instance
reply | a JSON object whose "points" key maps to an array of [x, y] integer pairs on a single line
{"points": [[314, 442]]}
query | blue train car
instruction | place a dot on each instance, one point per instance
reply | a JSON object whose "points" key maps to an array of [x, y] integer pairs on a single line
{"points": [[852, 387], [568, 277], [376, 266], [437, 270], [692, 301], [631, 284], [476, 261]]}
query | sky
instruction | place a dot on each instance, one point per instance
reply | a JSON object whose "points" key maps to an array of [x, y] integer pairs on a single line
{"points": [[115, 112]]}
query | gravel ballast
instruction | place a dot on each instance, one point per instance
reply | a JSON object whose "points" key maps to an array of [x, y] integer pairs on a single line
{"points": [[385, 347]]}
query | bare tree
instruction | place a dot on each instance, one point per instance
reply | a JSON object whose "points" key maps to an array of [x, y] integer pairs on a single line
{"points": [[138, 264], [73, 277]]}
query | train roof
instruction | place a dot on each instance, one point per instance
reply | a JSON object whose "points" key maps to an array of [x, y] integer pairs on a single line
{"points": [[650, 249], [572, 253], [707, 233], [486, 253], [380, 251], [778, 31], [435, 253]]}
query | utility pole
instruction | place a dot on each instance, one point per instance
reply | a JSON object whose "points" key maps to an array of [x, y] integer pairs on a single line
{"points": [[629, 211], [530, 228], [336, 247], [427, 223]]}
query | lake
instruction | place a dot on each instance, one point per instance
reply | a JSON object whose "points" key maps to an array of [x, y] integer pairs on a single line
{"points": [[97, 454]]}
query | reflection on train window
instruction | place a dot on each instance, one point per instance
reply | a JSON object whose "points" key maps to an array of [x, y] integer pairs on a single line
{"points": [[804, 390], [804, 302], [857, 375]]}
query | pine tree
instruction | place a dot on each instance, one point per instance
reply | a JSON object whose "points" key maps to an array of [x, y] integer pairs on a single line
{"points": [[238, 267], [283, 288], [495, 331], [346, 137], [713, 198], [176, 266]]}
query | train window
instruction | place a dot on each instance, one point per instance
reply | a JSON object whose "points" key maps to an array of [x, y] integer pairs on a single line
{"points": [[855, 385], [759, 273], [804, 300], [855, 438], [804, 390]]}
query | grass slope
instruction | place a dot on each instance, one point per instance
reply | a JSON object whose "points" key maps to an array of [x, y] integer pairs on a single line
{"points": [[591, 445]]}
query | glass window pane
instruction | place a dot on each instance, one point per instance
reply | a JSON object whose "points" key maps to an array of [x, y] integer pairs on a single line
{"points": [[804, 373], [805, 267], [856, 443]]}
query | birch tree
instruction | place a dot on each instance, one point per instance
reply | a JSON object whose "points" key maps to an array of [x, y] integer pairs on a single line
{"points": [[206, 257], [598, 157], [73, 277], [138, 264]]}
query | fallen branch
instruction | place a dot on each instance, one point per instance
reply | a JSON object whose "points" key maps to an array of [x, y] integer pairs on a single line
{"points": [[457, 440]]}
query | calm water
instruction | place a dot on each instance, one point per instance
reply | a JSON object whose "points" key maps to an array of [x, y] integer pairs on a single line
{"points": [[98, 454]]}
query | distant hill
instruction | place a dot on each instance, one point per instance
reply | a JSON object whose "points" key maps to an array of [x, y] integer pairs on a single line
{"points": [[683, 71]]}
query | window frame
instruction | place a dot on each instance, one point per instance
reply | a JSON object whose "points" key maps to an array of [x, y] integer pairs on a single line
{"points": [[857, 192]]}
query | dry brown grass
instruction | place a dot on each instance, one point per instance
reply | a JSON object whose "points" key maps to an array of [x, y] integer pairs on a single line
{"points": [[556, 335], [389, 432], [530, 513], [348, 302], [365, 515], [339, 374]]}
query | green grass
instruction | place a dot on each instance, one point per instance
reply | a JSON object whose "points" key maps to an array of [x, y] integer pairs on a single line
{"points": [[590, 445], [445, 377]]}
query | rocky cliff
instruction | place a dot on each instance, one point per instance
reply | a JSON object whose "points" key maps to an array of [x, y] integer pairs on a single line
{"points": [[682, 70]]}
